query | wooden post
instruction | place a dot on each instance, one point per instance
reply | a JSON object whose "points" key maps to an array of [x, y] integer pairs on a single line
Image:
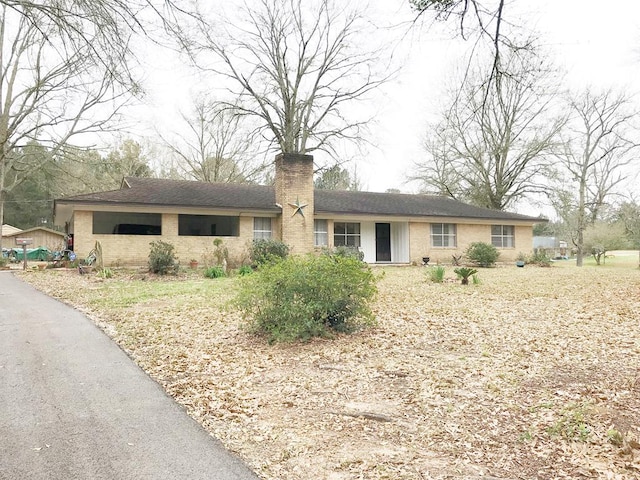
{"points": [[24, 242]]}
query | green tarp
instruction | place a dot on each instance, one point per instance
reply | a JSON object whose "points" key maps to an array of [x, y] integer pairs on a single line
{"points": [[40, 253]]}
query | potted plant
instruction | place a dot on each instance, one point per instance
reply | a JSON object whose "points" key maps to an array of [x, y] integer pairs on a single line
{"points": [[193, 263], [521, 260]]}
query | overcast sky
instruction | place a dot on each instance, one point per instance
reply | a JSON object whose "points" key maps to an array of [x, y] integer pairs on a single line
{"points": [[597, 46]]}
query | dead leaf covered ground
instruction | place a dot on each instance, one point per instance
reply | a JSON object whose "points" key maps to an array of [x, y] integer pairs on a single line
{"points": [[533, 374]]}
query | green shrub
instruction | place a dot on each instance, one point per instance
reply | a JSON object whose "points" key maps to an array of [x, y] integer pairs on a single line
{"points": [[436, 274], [303, 297], [267, 250], [245, 270], [3, 261], [464, 273], [162, 258], [345, 252], [215, 272], [482, 254], [540, 258]]}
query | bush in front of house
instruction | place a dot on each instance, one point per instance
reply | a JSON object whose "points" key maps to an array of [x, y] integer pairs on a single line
{"points": [[482, 254], [162, 258], [267, 250], [344, 251], [302, 297]]}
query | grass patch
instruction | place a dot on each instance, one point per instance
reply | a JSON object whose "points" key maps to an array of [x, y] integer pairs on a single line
{"points": [[124, 293]]}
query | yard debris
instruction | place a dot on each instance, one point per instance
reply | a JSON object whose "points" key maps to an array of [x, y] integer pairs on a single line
{"points": [[532, 374]]}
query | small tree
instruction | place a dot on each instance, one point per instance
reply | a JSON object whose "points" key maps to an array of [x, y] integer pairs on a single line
{"points": [[482, 254], [602, 237]]}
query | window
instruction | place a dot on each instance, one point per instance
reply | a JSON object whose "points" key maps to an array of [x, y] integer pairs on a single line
{"points": [[261, 228], [443, 235], [208, 225], [502, 236], [346, 234], [127, 223], [320, 233]]}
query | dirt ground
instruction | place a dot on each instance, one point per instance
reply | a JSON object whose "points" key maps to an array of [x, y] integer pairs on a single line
{"points": [[532, 374]]}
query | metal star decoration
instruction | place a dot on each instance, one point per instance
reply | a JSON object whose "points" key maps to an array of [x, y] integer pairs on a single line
{"points": [[298, 207]]}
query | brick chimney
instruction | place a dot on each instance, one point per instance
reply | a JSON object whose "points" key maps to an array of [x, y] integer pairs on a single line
{"points": [[294, 193]]}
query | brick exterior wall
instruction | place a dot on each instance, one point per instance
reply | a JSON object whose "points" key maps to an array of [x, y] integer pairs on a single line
{"points": [[133, 250], [294, 186], [420, 242]]}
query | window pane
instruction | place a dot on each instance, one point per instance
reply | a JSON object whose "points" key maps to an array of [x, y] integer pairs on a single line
{"points": [[320, 226], [208, 225], [321, 239], [127, 223], [261, 228], [339, 228], [443, 234], [503, 236], [320, 233]]}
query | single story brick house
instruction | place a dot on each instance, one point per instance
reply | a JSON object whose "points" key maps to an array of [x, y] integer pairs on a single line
{"points": [[387, 227]]}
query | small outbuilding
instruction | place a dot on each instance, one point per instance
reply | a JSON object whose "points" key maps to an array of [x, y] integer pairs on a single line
{"points": [[48, 238]]}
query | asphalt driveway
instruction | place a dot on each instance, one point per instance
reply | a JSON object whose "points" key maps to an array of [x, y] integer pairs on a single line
{"points": [[74, 406]]}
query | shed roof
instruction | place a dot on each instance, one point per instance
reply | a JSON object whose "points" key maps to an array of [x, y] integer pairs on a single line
{"points": [[9, 230], [35, 229]]}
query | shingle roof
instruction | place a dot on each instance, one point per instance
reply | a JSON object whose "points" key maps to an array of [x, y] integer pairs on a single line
{"points": [[161, 192], [183, 193], [406, 205]]}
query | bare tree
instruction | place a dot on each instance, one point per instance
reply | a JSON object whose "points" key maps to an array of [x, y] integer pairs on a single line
{"points": [[294, 65], [629, 214], [492, 145], [49, 93], [216, 147], [102, 28], [481, 20], [596, 151]]}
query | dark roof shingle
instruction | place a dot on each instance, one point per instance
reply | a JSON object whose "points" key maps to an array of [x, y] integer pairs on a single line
{"points": [[181, 193]]}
